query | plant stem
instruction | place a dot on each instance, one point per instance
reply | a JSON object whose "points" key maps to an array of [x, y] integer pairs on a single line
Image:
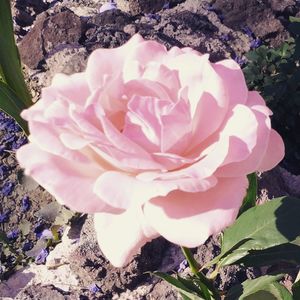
{"points": [[194, 266], [206, 284]]}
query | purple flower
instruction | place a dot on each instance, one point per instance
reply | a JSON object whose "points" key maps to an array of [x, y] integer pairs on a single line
{"points": [[12, 235], [5, 216], [25, 204], [3, 171], [248, 31], [46, 234], [153, 16], [183, 265], [18, 143], [2, 150], [94, 288], [9, 137], [240, 60], [211, 8], [7, 188], [166, 5], [41, 257], [27, 246], [255, 43], [225, 37]]}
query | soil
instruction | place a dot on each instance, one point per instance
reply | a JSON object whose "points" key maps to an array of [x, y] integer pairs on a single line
{"points": [[57, 36]]}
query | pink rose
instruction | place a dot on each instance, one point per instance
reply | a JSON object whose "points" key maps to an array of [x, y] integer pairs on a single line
{"points": [[154, 142]]}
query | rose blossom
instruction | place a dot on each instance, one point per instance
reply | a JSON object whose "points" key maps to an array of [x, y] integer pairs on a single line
{"points": [[153, 142]]}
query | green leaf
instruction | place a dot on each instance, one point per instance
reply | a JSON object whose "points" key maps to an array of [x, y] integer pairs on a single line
{"points": [[9, 56], [180, 286], [250, 198], [251, 287], [10, 103], [273, 291], [283, 253], [274, 223], [294, 19]]}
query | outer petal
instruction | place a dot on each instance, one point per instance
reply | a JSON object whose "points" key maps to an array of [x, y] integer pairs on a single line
{"points": [[234, 81], [274, 153], [130, 190], [71, 184], [121, 236], [106, 62], [188, 219]]}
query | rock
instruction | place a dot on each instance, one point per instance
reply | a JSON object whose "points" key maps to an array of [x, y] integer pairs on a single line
{"points": [[258, 16], [45, 292], [279, 182], [105, 37], [281, 6], [31, 47], [47, 34], [136, 7], [70, 59], [56, 272], [60, 29], [88, 262], [196, 22], [114, 17]]}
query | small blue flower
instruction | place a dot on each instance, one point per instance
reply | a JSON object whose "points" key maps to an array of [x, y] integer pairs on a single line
{"points": [[18, 143], [225, 37], [39, 227], [94, 288], [153, 16], [240, 60], [210, 7], [4, 216], [13, 235], [27, 246], [3, 171], [7, 188], [2, 150], [248, 31], [25, 204], [9, 137], [41, 257], [166, 5], [46, 234], [183, 265], [255, 43]]}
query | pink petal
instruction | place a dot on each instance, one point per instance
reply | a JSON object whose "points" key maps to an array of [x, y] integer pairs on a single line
{"points": [[129, 152], [107, 62], [188, 219], [130, 190], [71, 184], [121, 236], [73, 88], [47, 139], [251, 163], [274, 153], [157, 72], [234, 81]]}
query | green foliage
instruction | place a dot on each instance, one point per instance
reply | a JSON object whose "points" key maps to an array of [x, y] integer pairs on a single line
{"points": [[14, 96], [250, 198], [262, 227], [276, 74], [264, 288], [187, 289]]}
